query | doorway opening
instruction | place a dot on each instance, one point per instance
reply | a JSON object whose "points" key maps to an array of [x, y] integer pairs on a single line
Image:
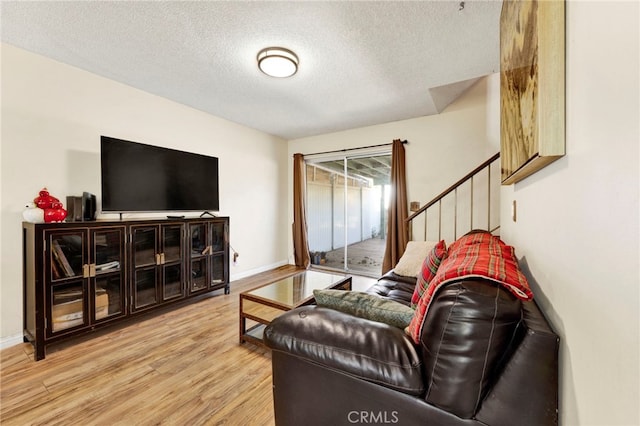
{"points": [[347, 200]]}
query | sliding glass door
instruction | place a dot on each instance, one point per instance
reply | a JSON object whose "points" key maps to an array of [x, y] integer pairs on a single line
{"points": [[347, 201]]}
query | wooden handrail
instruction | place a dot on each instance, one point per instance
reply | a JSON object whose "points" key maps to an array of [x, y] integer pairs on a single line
{"points": [[453, 187]]}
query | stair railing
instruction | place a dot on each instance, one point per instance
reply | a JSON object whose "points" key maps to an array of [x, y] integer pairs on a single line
{"points": [[437, 201]]}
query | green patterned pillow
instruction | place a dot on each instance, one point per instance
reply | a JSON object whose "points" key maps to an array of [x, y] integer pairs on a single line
{"points": [[366, 305]]}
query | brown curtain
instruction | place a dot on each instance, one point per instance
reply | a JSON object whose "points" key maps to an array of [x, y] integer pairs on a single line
{"points": [[397, 230], [300, 240]]}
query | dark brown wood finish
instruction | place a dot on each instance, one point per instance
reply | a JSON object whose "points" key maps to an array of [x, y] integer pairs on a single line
{"points": [[44, 275]]}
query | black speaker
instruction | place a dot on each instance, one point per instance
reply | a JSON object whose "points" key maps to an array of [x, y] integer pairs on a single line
{"points": [[88, 206]]}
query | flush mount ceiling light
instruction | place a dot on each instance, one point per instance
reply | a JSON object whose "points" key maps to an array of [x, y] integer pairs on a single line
{"points": [[277, 62]]}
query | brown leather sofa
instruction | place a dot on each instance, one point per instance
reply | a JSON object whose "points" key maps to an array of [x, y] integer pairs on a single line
{"points": [[485, 358]]}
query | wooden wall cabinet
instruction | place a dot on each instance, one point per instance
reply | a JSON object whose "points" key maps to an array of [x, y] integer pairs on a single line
{"points": [[532, 87], [79, 277]]}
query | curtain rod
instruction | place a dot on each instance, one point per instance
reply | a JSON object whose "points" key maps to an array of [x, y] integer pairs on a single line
{"points": [[354, 149]]}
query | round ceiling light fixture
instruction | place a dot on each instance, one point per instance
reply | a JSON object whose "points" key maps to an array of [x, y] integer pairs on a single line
{"points": [[277, 62]]}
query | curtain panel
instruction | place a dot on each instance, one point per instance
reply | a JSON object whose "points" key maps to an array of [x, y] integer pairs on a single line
{"points": [[300, 239], [397, 229]]}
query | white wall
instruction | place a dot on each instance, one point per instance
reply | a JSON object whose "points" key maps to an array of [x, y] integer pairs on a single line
{"points": [[577, 220], [442, 148], [52, 119]]}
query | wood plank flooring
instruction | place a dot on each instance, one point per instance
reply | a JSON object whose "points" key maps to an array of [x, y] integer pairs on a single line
{"points": [[179, 367]]}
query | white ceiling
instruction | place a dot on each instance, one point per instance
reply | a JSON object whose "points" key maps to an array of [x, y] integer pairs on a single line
{"points": [[361, 63]]}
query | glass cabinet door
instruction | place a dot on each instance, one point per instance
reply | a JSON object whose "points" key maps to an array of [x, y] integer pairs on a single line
{"points": [[219, 269], [108, 273], [207, 256], [198, 256], [171, 261], [145, 260], [68, 272], [68, 307], [157, 265]]}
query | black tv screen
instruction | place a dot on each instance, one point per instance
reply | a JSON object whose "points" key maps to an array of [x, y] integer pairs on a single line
{"points": [[143, 178]]}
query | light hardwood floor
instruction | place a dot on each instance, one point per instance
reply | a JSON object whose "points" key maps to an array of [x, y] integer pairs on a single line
{"points": [[180, 367]]}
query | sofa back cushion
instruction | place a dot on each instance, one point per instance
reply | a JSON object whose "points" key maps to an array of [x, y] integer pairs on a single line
{"points": [[394, 287], [468, 330]]}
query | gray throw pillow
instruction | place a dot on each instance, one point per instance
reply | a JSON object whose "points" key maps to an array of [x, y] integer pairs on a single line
{"points": [[366, 305]]}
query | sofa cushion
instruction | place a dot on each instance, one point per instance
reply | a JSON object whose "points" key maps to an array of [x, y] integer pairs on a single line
{"points": [[429, 268], [364, 349], [394, 287], [365, 305], [414, 255]]}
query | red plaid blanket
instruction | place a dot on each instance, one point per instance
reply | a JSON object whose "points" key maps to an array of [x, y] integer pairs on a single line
{"points": [[474, 255]]}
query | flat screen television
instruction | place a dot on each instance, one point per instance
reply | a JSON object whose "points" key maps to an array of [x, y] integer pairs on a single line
{"points": [[143, 178]]}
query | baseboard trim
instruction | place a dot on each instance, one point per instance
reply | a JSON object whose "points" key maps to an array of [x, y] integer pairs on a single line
{"points": [[259, 270], [8, 341]]}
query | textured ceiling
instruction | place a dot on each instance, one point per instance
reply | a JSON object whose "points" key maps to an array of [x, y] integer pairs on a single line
{"points": [[361, 63]]}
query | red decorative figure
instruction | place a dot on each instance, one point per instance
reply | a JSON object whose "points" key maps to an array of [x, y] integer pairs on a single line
{"points": [[53, 211], [44, 200], [55, 214]]}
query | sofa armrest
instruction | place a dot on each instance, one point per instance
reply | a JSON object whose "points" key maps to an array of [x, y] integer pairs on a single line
{"points": [[372, 351], [527, 389]]}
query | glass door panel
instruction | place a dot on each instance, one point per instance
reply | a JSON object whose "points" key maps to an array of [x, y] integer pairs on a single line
{"points": [[366, 199], [338, 223], [198, 274], [145, 246], [217, 274], [108, 290], [108, 296], [171, 261], [66, 255], [68, 306], [346, 211], [198, 256], [108, 246], [145, 287], [146, 260], [198, 234], [217, 236], [172, 243], [172, 281]]}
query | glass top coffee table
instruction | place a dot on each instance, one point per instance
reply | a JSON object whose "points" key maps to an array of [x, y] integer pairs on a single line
{"points": [[258, 307]]}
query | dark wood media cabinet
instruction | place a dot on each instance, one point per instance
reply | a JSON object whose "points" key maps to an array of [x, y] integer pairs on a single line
{"points": [[83, 276]]}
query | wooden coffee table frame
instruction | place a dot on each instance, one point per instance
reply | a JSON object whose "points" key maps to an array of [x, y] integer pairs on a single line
{"points": [[264, 310]]}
